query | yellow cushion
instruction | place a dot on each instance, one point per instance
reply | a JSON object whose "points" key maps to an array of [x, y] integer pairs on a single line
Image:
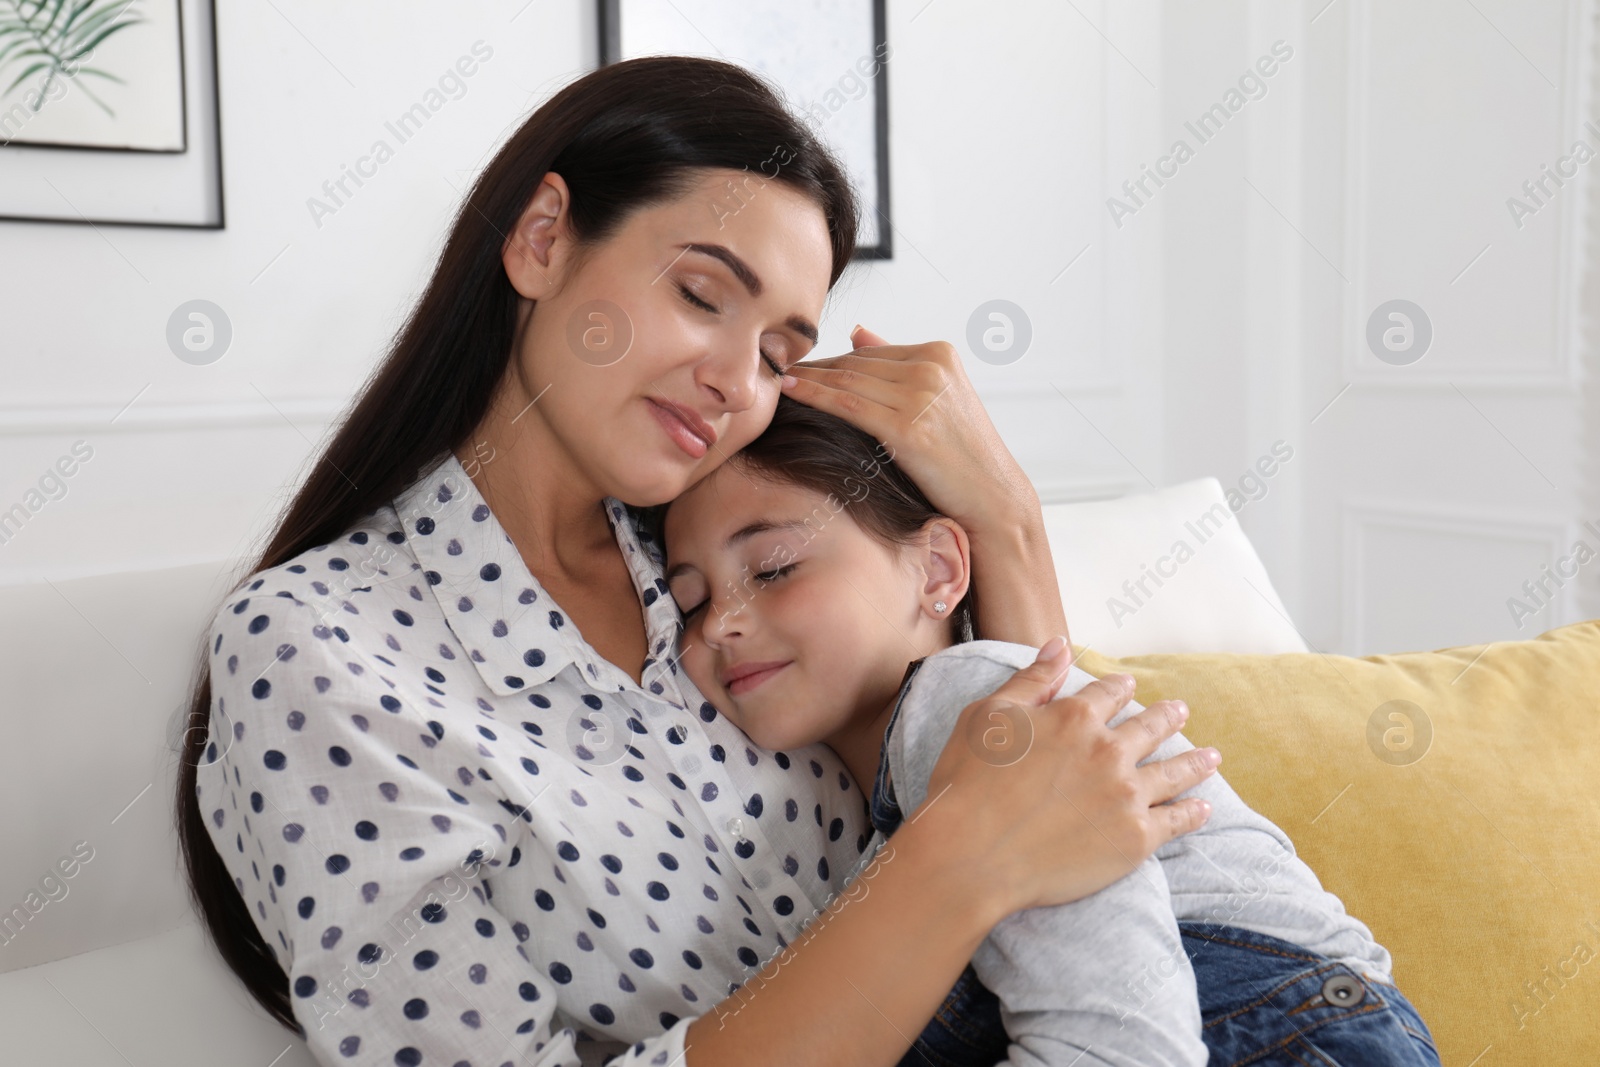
{"points": [[1449, 798]]}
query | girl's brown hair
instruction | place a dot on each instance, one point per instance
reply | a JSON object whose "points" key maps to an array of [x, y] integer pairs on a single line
{"points": [[624, 137]]}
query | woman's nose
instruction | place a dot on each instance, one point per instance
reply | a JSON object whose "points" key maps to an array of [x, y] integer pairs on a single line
{"points": [[731, 374]]}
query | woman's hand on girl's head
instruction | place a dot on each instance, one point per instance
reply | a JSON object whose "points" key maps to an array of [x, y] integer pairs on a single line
{"points": [[1071, 812], [918, 401]]}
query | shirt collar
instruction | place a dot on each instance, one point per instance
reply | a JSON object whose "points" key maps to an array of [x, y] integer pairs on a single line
{"points": [[516, 635], [883, 806]]}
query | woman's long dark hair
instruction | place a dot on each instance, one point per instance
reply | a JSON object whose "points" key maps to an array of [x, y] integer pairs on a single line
{"points": [[810, 449], [623, 137]]}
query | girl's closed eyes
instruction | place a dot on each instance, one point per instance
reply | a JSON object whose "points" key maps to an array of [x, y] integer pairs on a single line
{"points": [[810, 575], [765, 578]]}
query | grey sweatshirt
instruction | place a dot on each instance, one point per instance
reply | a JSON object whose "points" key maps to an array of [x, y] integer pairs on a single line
{"points": [[1105, 979]]}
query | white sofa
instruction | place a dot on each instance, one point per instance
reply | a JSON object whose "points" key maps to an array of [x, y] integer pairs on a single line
{"points": [[117, 971]]}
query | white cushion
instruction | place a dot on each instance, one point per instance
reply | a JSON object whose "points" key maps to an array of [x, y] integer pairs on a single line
{"points": [[166, 999], [97, 673], [1203, 589]]}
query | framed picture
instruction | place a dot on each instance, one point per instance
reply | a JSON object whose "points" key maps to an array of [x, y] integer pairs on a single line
{"points": [[109, 114], [828, 56]]}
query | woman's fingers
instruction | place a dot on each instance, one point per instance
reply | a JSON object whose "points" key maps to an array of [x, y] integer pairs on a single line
{"points": [[1067, 811], [880, 362], [849, 402], [1179, 818], [862, 337], [903, 373], [902, 380], [1164, 779], [1146, 731], [1107, 696], [879, 380], [1036, 684], [1139, 736]]}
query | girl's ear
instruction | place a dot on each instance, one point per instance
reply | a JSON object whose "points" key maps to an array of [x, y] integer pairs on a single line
{"points": [[944, 555]]}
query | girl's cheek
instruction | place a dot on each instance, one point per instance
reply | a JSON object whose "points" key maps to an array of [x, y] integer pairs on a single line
{"points": [[801, 599]]}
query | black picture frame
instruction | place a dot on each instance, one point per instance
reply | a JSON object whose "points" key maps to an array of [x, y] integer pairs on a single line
{"points": [[609, 13], [198, 39]]}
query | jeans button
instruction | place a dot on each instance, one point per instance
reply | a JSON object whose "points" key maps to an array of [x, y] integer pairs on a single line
{"points": [[1343, 990]]}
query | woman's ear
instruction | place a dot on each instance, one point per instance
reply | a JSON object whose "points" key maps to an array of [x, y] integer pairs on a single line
{"points": [[944, 556], [536, 251]]}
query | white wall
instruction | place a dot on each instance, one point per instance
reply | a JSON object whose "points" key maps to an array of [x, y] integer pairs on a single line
{"points": [[1186, 341], [1378, 166], [996, 177], [197, 465]]}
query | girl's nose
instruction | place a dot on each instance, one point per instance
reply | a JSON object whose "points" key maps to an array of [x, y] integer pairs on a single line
{"points": [[724, 619]]}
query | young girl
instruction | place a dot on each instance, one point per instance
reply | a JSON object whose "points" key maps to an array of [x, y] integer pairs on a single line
{"points": [[824, 599]]}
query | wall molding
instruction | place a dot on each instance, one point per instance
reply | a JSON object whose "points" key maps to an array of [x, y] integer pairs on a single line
{"points": [[1550, 531], [1589, 342], [152, 417], [1467, 384], [1561, 374]]}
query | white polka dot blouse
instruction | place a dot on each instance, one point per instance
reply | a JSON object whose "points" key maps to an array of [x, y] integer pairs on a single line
{"points": [[465, 836]]}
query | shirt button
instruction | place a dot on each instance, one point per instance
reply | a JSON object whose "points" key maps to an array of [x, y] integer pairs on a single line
{"points": [[736, 827]]}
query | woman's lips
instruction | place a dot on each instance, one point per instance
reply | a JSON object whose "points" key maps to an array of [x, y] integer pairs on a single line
{"points": [[685, 438], [750, 681]]}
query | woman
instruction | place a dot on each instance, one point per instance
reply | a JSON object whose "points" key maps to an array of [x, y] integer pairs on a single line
{"points": [[445, 733]]}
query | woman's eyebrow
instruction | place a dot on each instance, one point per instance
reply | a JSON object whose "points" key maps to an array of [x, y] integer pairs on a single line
{"points": [[743, 533], [751, 281]]}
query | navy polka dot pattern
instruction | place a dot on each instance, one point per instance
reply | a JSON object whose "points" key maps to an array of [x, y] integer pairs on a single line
{"points": [[467, 837]]}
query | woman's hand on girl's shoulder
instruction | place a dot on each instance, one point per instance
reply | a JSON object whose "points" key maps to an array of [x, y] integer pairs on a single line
{"points": [[1045, 802]]}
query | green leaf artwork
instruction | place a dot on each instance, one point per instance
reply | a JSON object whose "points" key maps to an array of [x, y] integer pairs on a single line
{"points": [[55, 37]]}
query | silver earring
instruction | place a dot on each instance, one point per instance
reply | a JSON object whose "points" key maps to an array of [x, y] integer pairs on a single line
{"points": [[939, 606]]}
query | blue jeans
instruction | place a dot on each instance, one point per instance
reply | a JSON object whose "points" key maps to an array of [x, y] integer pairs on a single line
{"points": [[1263, 1002], [1270, 1003]]}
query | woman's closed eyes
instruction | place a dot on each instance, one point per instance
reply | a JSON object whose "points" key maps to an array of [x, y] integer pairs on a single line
{"points": [[696, 301]]}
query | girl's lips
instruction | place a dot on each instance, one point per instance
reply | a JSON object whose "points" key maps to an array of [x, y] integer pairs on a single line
{"points": [[750, 681], [685, 438]]}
